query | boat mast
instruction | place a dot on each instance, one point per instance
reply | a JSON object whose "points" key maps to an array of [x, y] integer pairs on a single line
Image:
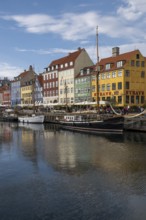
{"points": [[97, 45], [97, 72]]}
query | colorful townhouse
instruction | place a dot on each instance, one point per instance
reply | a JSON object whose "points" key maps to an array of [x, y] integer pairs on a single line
{"points": [[59, 77], [50, 84], [121, 79], [27, 88], [15, 92], [83, 85], [5, 95]]}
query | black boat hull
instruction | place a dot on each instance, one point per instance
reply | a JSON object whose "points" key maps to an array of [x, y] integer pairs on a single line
{"points": [[111, 125]]}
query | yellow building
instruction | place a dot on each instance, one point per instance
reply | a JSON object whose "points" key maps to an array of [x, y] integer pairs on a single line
{"points": [[26, 94], [121, 79], [27, 86]]}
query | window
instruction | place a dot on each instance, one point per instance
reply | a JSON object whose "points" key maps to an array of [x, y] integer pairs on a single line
{"points": [[142, 74], [127, 73], [142, 99], [71, 63], [137, 99], [119, 99], [88, 71], [137, 63], [142, 64], [113, 74], [103, 76], [132, 99], [108, 75], [103, 87], [127, 99], [113, 86], [107, 66], [108, 87], [120, 73], [82, 72], [132, 63], [61, 66], [119, 85], [137, 56], [119, 63], [126, 85], [66, 64]]}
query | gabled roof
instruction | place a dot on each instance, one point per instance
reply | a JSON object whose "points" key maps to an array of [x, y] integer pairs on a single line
{"points": [[40, 79], [85, 75], [21, 75], [114, 59], [70, 57]]}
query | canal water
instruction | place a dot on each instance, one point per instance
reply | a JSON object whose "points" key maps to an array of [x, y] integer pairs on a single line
{"points": [[47, 173]]}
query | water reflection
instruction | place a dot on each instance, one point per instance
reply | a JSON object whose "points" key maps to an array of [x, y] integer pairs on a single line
{"points": [[44, 171], [76, 153]]}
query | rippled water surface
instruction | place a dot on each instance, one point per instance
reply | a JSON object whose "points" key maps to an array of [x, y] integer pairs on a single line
{"points": [[60, 175]]}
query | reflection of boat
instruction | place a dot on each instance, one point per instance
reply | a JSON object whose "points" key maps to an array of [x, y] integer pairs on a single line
{"points": [[31, 119], [82, 124], [35, 127]]}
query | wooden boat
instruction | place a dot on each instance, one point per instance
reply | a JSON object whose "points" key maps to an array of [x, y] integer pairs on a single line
{"points": [[32, 119], [80, 123]]}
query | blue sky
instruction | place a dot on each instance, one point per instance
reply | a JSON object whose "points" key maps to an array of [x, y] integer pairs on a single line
{"points": [[35, 32]]}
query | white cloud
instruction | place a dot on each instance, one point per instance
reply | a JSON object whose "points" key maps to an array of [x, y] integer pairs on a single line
{"points": [[49, 51], [132, 9], [7, 70], [74, 27]]}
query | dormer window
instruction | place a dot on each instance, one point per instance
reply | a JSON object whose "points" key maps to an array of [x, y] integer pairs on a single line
{"points": [[82, 72], [107, 66], [71, 63], [88, 71], [119, 63], [66, 64], [61, 66]]}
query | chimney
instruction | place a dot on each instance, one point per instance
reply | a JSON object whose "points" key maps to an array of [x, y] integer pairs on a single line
{"points": [[30, 68], [115, 51], [79, 48]]}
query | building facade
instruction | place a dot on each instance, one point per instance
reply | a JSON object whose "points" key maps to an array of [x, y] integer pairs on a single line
{"points": [[60, 75], [122, 79], [83, 88]]}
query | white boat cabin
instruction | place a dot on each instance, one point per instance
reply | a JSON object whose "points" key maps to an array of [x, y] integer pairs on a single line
{"points": [[73, 118]]}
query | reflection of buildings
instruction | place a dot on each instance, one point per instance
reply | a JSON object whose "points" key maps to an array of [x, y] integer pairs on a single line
{"points": [[64, 154], [30, 140], [5, 132], [75, 153], [75, 156]]}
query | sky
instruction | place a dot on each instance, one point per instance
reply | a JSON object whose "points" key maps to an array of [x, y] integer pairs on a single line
{"points": [[36, 32]]}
